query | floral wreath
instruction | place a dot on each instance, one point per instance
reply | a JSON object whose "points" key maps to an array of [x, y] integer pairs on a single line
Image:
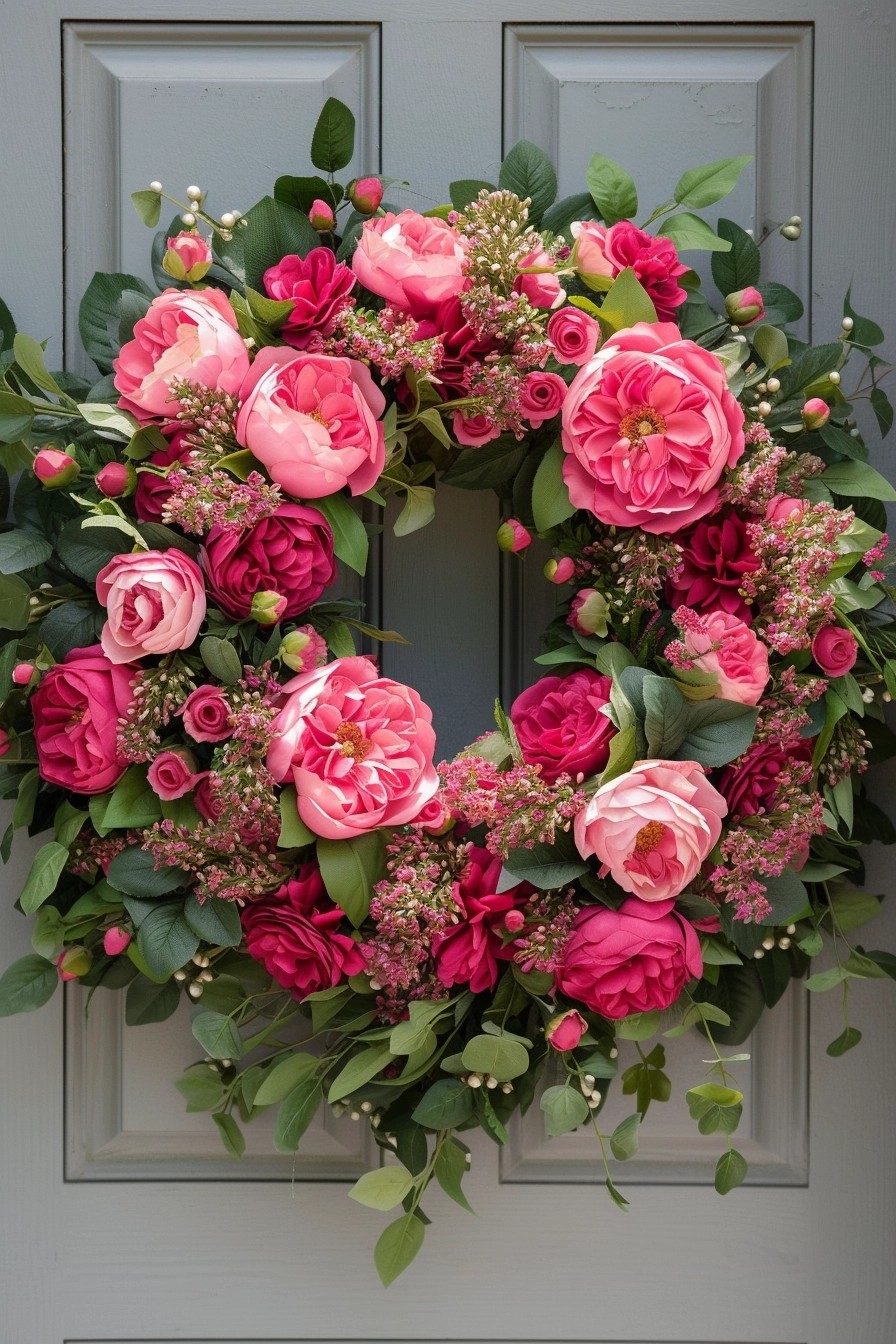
{"points": [[662, 831]]}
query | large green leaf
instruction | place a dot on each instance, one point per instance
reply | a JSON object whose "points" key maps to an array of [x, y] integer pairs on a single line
{"points": [[27, 984], [612, 189], [217, 1035], [718, 731], [99, 315], [858, 478], [703, 186], [333, 141], [445, 1105], [739, 267], [46, 869], [165, 940], [551, 504], [528, 172], [499, 1056], [274, 231], [22, 550], [382, 1189], [296, 1114], [564, 1107], [16, 415], [626, 302], [286, 1075], [397, 1247], [690, 233], [133, 803], [360, 1069], [350, 541], [218, 922], [349, 869]]}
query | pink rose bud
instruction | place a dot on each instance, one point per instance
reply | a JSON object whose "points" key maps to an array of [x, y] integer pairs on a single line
{"points": [[188, 257], [268, 606], [514, 920], [116, 479], [512, 536], [434, 818], [54, 468], [745, 306], [73, 962], [366, 195], [566, 1030], [588, 612], [303, 649], [321, 217], [22, 674], [783, 508], [4, 742], [115, 941], [574, 336], [815, 413], [560, 571], [835, 650], [172, 773]]}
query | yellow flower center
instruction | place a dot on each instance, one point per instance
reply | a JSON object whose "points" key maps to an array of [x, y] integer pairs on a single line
{"points": [[637, 423], [649, 837], [352, 741]]}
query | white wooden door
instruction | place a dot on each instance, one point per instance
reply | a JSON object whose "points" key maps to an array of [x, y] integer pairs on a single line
{"points": [[121, 1219]]}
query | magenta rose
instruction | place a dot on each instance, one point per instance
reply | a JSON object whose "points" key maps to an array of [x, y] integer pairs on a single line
{"points": [[461, 346], [601, 253], [749, 785], [471, 952], [411, 261], [173, 773], [716, 555], [561, 724], [206, 714], [357, 746], [153, 492], [723, 647], [318, 285], [541, 286], [295, 934], [290, 552], [155, 603], [76, 711], [835, 650], [574, 335], [313, 421], [542, 396], [649, 426], [652, 828], [636, 959], [189, 335]]}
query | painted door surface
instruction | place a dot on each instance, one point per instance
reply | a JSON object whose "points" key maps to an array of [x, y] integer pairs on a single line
{"points": [[121, 1218]]}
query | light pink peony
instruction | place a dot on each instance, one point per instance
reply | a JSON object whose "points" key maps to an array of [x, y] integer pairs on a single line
{"points": [[410, 261], [652, 828], [541, 287], [542, 396], [313, 420], [155, 602], [173, 773], [601, 253], [357, 746], [206, 714], [649, 426], [724, 647], [184, 335], [574, 335]]}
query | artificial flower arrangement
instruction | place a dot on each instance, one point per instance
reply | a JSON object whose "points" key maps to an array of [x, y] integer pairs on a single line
{"points": [[662, 831]]}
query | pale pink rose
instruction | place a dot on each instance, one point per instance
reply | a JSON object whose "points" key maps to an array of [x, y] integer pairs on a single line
{"points": [[542, 287], [184, 335], [784, 508], [410, 260], [835, 650], [357, 746], [472, 431], [313, 420], [574, 335], [722, 646], [601, 253], [206, 714], [649, 426], [566, 1030], [155, 602], [173, 773], [434, 817], [542, 396], [653, 827]]}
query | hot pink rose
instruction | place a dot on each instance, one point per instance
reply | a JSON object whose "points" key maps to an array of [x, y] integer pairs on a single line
{"points": [[173, 773], [471, 951], [357, 746], [566, 1030], [155, 602], [206, 714], [652, 828], [472, 431], [561, 725], [542, 396], [749, 785], [184, 335], [295, 934], [716, 555], [313, 421], [410, 260], [725, 648], [153, 491], [600, 252], [835, 650], [636, 959], [318, 285], [290, 552], [76, 710], [541, 287], [209, 806], [574, 336], [649, 426]]}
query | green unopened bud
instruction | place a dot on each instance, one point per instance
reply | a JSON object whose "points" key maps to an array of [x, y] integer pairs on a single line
{"points": [[267, 607], [73, 963]]}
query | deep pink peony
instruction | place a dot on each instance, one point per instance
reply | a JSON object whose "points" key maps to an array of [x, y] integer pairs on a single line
{"points": [[749, 785], [206, 714], [724, 647], [411, 261], [835, 650], [561, 725], [652, 828], [173, 773], [76, 710], [542, 396], [636, 959], [471, 952], [155, 603], [461, 346], [649, 426], [318, 285], [153, 491], [602, 252], [357, 746], [313, 420], [574, 335], [716, 554], [190, 335], [295, 934], [290, 552]]}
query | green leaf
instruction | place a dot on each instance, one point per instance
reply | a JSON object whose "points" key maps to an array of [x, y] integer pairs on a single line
{"points": [[415, 1032], [624, 1139], [666, 719], [333, 141], [133, 802], [825, 980], [218, 922], [165, 940], [864, 331], [231, 1135], [883, 410], [16, 415], [109, 419], [626, 302], [15, 604], [551, 504], [284, 1077], [544, 866], [568, 211], [382, 1189], [852, 907], [29, 357], [359, 1070], [7, 327], [217, 1035], [296, 1114], [638, 1026], [781, 304], [564, 1107], [294, 834], [719, 731], [465, 190], [771, 345], [149, 1002], [85, 551], [148, 205], [528, 172], [612, 189], [100, 312], [302, 192], [46, 869], [703, 186], [498, 1056], [849, 1037], [350, 541], [27, 984], [809, 367], [715, 1093], [48, 934], [71, 625], [221, 659], [349, 869], [450, 1169], [787, 897], [274, 231], [731, 1169], [488, 467], [690, 233], [858, 478], [133, 872], [397, 1247], [271, 313], [840, 442], [419, 510], [445, 1105], [740, 267]]}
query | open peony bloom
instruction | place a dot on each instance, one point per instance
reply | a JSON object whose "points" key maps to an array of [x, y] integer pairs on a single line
{"points": [[319, 287], [76, 711], [561, 724], [155, 603], [411, 261], [357, 746], [648, 427], [652, 828]]}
